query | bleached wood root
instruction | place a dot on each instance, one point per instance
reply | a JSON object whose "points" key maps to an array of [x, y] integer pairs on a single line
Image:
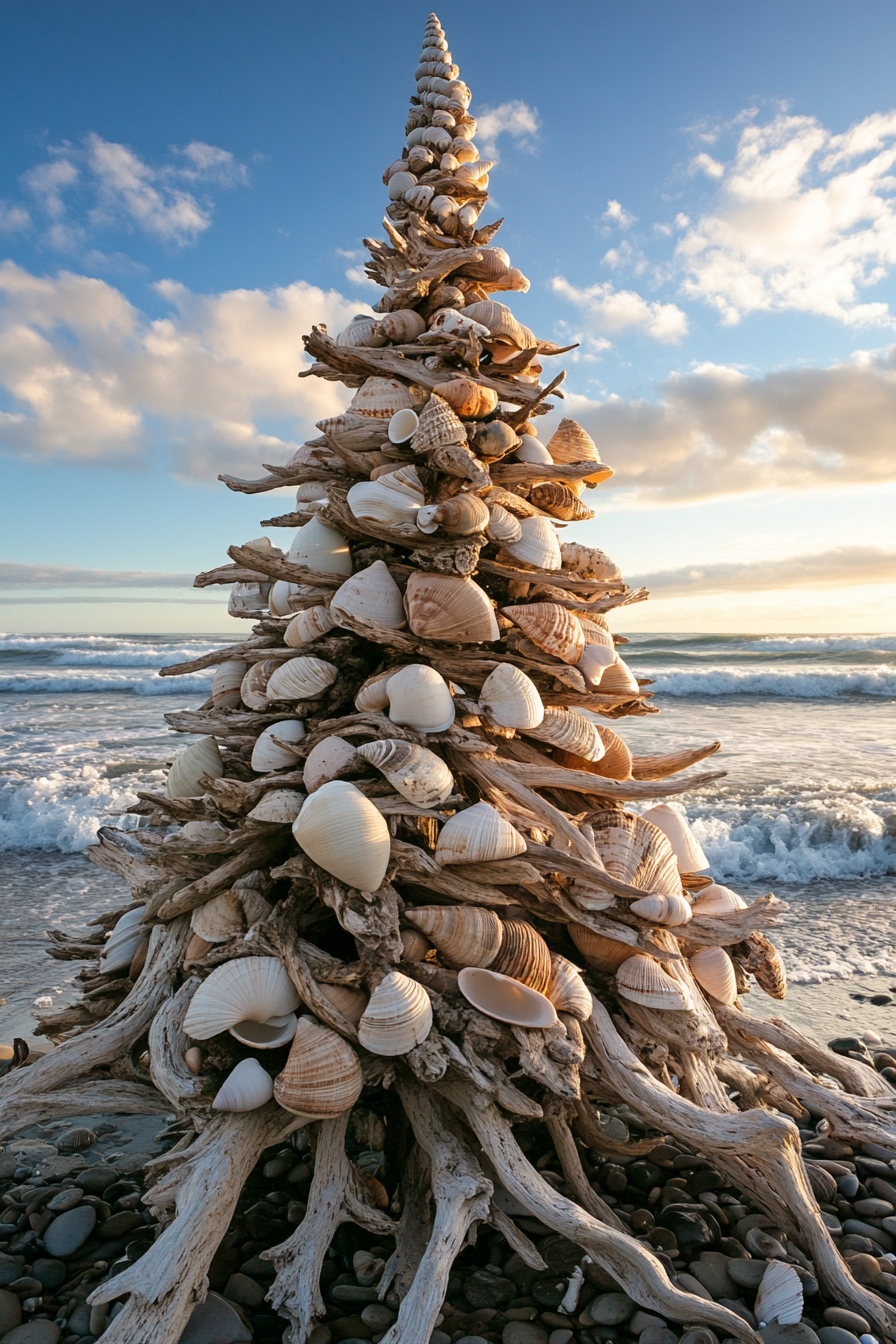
{"points": [[168, 1043], [414, 1225], [556, 1118], [89, 1096], [859, 1079]]}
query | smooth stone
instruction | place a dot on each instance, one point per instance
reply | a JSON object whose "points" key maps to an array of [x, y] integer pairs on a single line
{"points": [[712, 1271], [760, 1243], [643, 1320], [350, 1329], [835, 1334], [610, 1308], [215, 1321], [69, 1231], [65, 1200], [689, 1284], [560, 1255], [692, 1229], [26, 1285], [439, 1337], [856, 1228], [746, 1273], [120, 1224], [873, 1208], [524, 1332], [256, 1268], [471, 1339], [698, 1335], [655, 1334], [93, 1180], [739, 1310], [847, 1320], [864, 1268], [549, 1292], [520, 1313], [79, 1321], [99, 1315], [35, 1332], [352, 1292], [562, 1336], [378, 1315], [10, 1311], [243, 1290], [10, 1270], [848, 1185], [488, 1290], [789, 1334]]}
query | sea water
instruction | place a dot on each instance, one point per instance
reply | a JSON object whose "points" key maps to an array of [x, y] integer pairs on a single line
{"points": [[806, 807]]}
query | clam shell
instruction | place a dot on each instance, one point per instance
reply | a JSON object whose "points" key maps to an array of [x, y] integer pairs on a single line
{"points": [[504, 327], [398, 1016], [281, 592], [280, 806], [402, 326], [220, 918], [399, 183], [523, 955], [713, 970], [308, 625], [123, 942], [350, 1002], [604, 954], [322, 548], [445, 606], [268, 1035], [419, 698], [460, 516], [502, 526], [591, 897], [567, 990], [200, 758], [245, 1088], [537, 545], [414, 945], [373, 694], [505, 999], [309, 492], [588, 561], [478, 835], [405, 481], [570, 443], [322, 1076], [207, 832], [643, 980], [618, 678], [570, 731], [380, 398], [375, 501], [511, 699], [362, 330], [467, 397], [253, 689], [615, 763], [301, 679], [685, 846], [325, 761], [403, 425], [717, 900], [780, 1296], [370, 595], [669, 910], [553, 628], [247, 989], [342, 832], [418, 774], [465, 935], [226, 683], [595, 660], [439, 426], [636, 852], [530, 450], [561, 502], [268, 754]]}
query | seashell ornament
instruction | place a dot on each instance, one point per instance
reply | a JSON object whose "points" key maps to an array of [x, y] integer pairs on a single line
{"points": [[418, 774], [380, 398], [249, 989], [464, 935], [670, 910], [419, 698], [478, 835], [370, 595], [245, 1088], [523, 955], [445, 606], [537, 546], [301, 679], [123, 941], [717, 900], [567, 990], [505, 999], [713, 970], [272, 746], [461, 516], [604, 954], [571, 732], [439, 427], [322, 1076], [308, 625], [551, 627], [685, 846], [511, 699], [188, 768], [226, 683], [325, 761], [398, 1016], [342, 832], [322, 548], [278, 807], [468, 398], [643, 980]]}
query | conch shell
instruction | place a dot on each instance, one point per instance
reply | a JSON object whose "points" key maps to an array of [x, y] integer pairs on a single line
{"points": [[322, 1076], [251, 989], [445, 606], [419, 698], [511, 699], [505, 999], [188, 768], [468, 398], [342, 832], [465, 935], [523, 955], [478, 835], [439, 427], [325, 761], [460, 516], [272, 746], [370, 595], [643, 980], [551, 627], [245, 1088], [301, 679], [571, 732], [308, 625], [418, 774], [380, 398], [567, 990], [713, 970], [398, 1016], [226, 682], [537, 546], [685, 846]]}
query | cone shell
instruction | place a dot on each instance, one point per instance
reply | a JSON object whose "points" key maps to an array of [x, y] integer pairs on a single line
{"points": [[780, 1296], [380, 398], [502, 526], [402, 326], [439, 427], [370, 595], [604, 954], [414, 945], [247, 989], [268, 754], [684, 843], [511, 699], [418, 774], [618, 678], [570, 731], [201, 758], [307, 626], [559, 501], [322, 1076], [373, 500], [301, 679], [553, 628], [325, 761], [524, 955], [350, 1002], [669, 910], [253, 690], [588, 561], [419, 698], [398, 1016], [245, 1088], [570, 443], [226, 683], [713, 970], [445, 606], [537, 545], [322, 548], [478, 835], [465, 935], [717, 900], [279, 806], [220, 918], [468, 398], [506, 999], [567, 990], [342, 832], [461, 516], [643, 980], [373, 694]]}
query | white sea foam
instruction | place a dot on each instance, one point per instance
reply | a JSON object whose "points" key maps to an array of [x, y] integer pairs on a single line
{"points": [[63, 810], [41, 681], [798, 683], [822, 643]]}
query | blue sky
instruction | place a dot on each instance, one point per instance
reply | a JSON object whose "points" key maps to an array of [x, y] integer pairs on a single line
{"points": [[701, 194]]}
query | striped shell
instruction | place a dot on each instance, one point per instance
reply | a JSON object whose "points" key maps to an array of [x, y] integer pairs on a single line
{"points": [[571, 732], [200, 758], [418, 774], [567, 990], [570, 443], [537, 546], [273, 749], [439, 426], [322, 1076], [551, 627], [247, 989], [478, 835], [615, 763], [370, 595], [380, 398], [670, 910], [301, 679], [322, 548], [618, 679], [398, 1016], [558, 500], [461, 516], [307, 626], [341, 831], [604, 954], [445, 606], [643, 980], [226, 683], [685, 846], [524, 955], [245, 1088], [464, 935], [253, 691], [350, 1002], [636, 852], [717, 900], [502, 526], [713, 970]]}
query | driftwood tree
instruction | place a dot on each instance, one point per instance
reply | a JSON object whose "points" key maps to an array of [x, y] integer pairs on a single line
{"points": [[398, 818]]}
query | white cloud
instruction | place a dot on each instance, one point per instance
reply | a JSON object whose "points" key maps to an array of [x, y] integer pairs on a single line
{"points": [[16, 575], [804, 221], [612, 309], [842, 567], [356, 275], [617, 214], [516, 119], [90, 378], [13, 218]]}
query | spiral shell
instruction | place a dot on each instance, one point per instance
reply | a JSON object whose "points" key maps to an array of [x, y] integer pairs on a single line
{"points": [[713, 970], [685, 846], [439, 426], [322, 1076], [478, 835], [308, 625], [445, 606], [464, 935], [671, 910], [200, 758], [551, 627], [558, 500], [418, 775], [301, 679], [523, 955], [226, 683], [249, 989], [537, 546], [571, 732], [511, 699], [325, 761], [272, 750], [342, 832], [502, 526], [398, 1016], [414, 945], [370, 595], [567, 990], [418, 697], [460, 516], [643, 980]]}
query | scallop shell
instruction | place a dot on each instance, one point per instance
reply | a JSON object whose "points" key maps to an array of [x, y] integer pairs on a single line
{"points": [[325, 761], [124, 941], [465, 935], [618, 679], [402, 326], [342, 832], [505, 999], [279, 806], [370, 595], [308, 625], [478, 835], [350, 1002], [571, 731], [419, 698], [253, 689], [780, 1296], [588, 561], [523, 955], [418, 775], [685, 846], [373, 694], [249, 989], [553, 628], [469, 398], [322, 548], [643, 980], [537, 545], [398, 1016], [322, 1076], [604, 954], [445, 606], [220, 918], [301, 679], [226, 683], [717, 900], [713, 970], [502, 526], [380, 398], [567, 990], [439, 427], [245, 1088], [570, 443], [511, 699], [200, 758], [403, 426], [362, 330], [268, 754], [414, 945], [558, 500], [375, 501], [670, 910], [530, 450], [460, 516], [635, 851]]}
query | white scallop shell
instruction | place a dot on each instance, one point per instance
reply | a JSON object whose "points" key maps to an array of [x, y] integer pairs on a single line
{"points": [[268, 754], [643, 981], [685, 846], [478, 835], [398, 1016], [326, 759], [246, 989], [308, 625], [713, 970], [780, 1296], [418, 774], [245, 1088], [419, 698], [370, 595], [511, 698], [537, 545], [200, 758], [301, 679], [322, 548], [280, 806], [341, 831]]}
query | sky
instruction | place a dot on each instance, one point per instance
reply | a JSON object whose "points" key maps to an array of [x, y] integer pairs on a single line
{"points": [[702, 195]]}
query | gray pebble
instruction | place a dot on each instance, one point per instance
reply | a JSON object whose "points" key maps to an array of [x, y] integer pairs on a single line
{"points": [[655, 1334], [747, 1273], [711, 1269], [66, 1199], [558, 1337], [524, 1332], [352, 1293], [79, 1321], [437, 1337], [215, 1321], [833, 1334], [99, 1315], [610, 1308], [93, 1180], [378, 1315], [847, 1320], [689, 1284], [240, 1288], [698, 1335], [35, 1332], [10, 1310], [642, 1320], [873, 1208], [69, 1231], [789, 1334]]}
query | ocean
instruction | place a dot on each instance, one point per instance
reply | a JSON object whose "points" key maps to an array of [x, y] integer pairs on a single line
{"points": [[807, 808]]}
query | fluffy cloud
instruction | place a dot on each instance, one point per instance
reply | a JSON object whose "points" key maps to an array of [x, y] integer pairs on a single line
{"points": [[609, 309], [15, 575], [804, 220], [516, 119], [716, 431], [845, 566], [90, 378]]}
